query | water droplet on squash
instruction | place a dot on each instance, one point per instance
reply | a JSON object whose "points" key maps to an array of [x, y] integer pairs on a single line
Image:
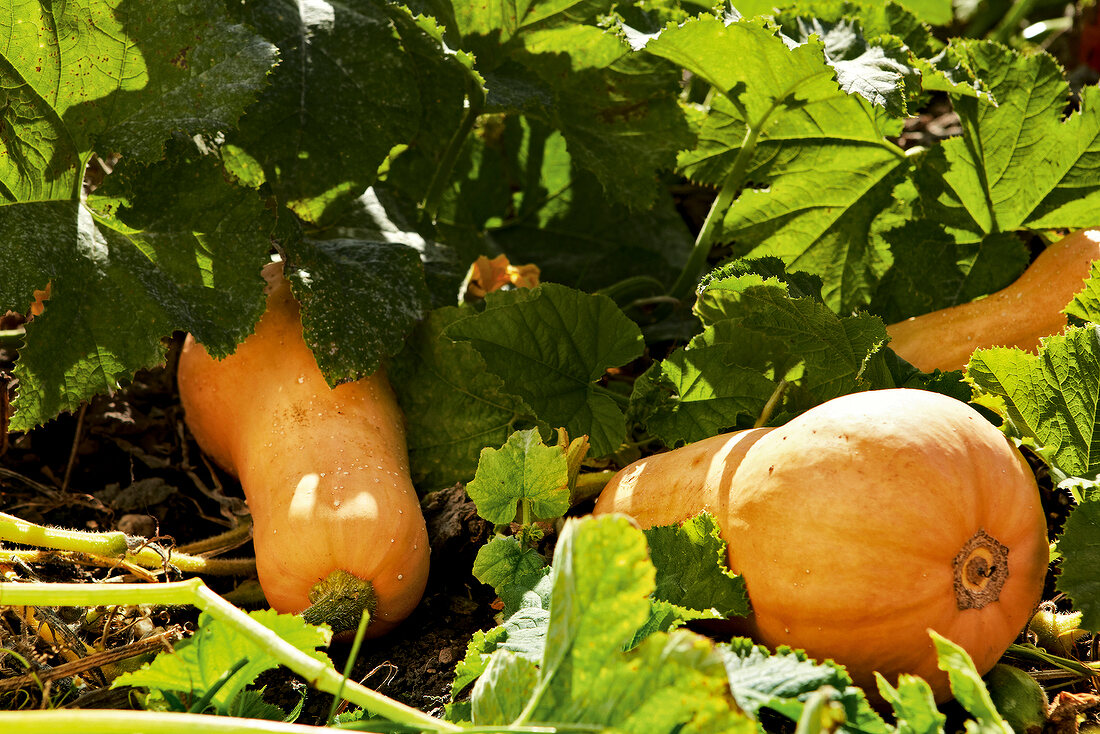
{"points": [[400, 576], [301, 379]]}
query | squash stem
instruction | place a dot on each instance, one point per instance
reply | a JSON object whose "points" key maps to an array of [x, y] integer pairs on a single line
{"points": [[341, 600], [769, 407], [590, 484]]}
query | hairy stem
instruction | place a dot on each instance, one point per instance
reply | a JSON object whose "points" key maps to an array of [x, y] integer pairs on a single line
{"points": [[731, 187], [475, 102], [107, 548], [321, 675]]}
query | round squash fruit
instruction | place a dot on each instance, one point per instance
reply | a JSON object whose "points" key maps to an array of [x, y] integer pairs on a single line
{"points": [[325, 472], [874, 517]]}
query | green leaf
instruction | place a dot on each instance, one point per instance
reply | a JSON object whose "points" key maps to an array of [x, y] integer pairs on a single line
{"points": [[453, 406], [616, 108], [691, 567], [505, 562], [1018, 164], [879, 70], [913, 703], [345, 92], [200, 660], [1051, 398], [784, 680], [707, 388], [933, 12], [1079, 546], [501, 19], [757, 336], [173, 246], [523, 632], [112, 77], [601, 579], [251, 705], [932, 271], [503, 688], [968, 687], [567, 225], [359, 301], [1085, 306], [805, 128], [523, 470], [550, 344]]}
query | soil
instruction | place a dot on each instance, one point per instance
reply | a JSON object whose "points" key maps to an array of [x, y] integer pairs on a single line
{"points": [[127, 462]]}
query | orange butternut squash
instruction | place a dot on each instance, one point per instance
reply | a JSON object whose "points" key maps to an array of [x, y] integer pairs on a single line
{"points": [[870, 519], [1016, 316], [337, 523]]}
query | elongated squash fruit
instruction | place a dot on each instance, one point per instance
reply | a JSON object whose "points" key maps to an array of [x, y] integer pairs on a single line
{"points": [[669, 488], [338, 526], [1016, 316], [865, 522]]}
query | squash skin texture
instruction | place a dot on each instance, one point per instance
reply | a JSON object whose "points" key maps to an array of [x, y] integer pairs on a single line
{"points": [[672, 487], [1016, 316], [847, 521], [324, 471]]}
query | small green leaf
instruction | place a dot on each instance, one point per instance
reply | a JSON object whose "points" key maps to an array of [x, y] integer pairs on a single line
{"points": [[523, 470], [691, 567], [1051, 399], [914, 705], [1078, 577], [504, 562], [215, 648], [968, 687], [551, 344], [503, 688], [758, 335], [1085, 306], [782, 680]]}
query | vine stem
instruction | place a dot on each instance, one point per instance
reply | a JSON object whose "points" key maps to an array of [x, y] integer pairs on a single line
{"points": [[731, 187], [108, 721], [769, 407], [321, 675], [116, 545], [475, 102]]}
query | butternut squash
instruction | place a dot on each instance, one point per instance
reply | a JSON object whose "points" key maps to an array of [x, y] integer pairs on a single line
{"points": [[867, 521], [325, 472], [1016, 316]]}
